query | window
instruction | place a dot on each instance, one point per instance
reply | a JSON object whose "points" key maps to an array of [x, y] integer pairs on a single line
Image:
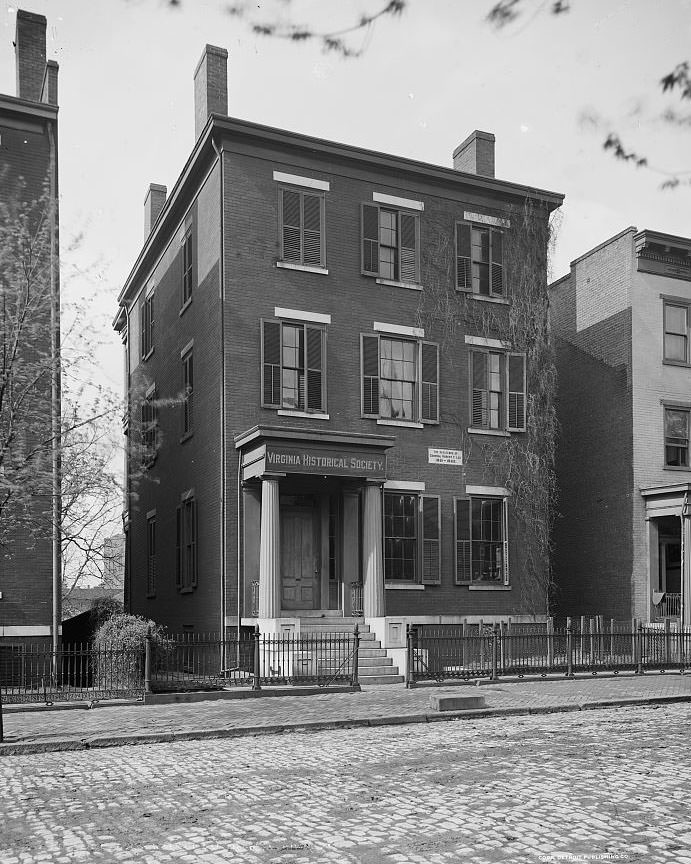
{"points": [[151, 556], [302, 228], [412, 538], [676, 437], [480, 260], [390, 244], [147, 328], [482, 547], [187, 281], [676, 337], [400, 378], [498, 390], [186, 545], [293, 366], [149, 415], [187, 393]]}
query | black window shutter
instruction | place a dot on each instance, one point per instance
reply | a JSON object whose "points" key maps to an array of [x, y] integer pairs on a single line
{"points": [[516, 389], [271, 364], [409, 261], [370, 239], [290, 226], [464, 279], [314, 367], [431, 540], [312, 230], [462, 507], [370, 376], [497, 243], [430, 382], [178, 547], [192, 576], [480, 406]]}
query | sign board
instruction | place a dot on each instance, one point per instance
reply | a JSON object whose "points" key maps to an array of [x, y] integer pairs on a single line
{"points": [[437, 456], [341, 462]]}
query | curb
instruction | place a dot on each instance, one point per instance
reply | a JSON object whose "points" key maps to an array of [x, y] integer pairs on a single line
{"points": [[104, 741]]}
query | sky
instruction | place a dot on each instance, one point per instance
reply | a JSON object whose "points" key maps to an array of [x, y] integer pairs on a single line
{"points": [[549, 88]]}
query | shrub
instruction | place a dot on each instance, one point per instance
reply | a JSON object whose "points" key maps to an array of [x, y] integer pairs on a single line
{"points": [[119, 645], [102, 609]]}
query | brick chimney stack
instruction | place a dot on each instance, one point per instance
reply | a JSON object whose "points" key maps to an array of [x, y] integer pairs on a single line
{"points": [[30, 49], [475, 155], [153, 204], [210, 86]]}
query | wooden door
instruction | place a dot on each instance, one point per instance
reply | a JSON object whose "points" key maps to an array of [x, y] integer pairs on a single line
{"points": [[300, 556]]}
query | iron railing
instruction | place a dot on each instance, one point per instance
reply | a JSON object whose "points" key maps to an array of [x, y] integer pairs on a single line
{"points": [[356, 602], [668, 607], [447, 652]]}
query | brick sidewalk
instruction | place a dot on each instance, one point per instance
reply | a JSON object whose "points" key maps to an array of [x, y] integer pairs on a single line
{"points": [[111, 724]]}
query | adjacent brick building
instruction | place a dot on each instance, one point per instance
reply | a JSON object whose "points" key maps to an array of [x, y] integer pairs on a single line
{"points": [[307, 436], [621, 324], [29, 595]]}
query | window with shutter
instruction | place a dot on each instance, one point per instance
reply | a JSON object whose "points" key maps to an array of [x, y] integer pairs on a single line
{"points": [[462, 542], [187, 271], [293, 366], [186, 544], [431, 540], [390, 244], [498, 390], [151, 557], [429, 390], [178, 547], [187, 393], [480, 397], [302, 228], [464, 280], [370, 375], [488, 540], [147, 325], [516, 390], [480, 260]]}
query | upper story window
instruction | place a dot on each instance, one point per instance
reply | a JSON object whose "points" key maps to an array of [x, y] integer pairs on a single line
{"points": [[482, 545], [187, 359], [412, 538], [186, 544], [294, 365], [480, 260], [187, 269], [147, 324], [676, 437], [676, 333], [400, 378], [498, 390], [302, 227], [391, 241], [151, 555], [149, 420]]}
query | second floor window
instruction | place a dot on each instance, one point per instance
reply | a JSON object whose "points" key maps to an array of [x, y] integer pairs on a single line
{"points": [[187, 273], [677, 437], [480, 260], [187, 393], [302, 228], [293, 366], [400, 379], [147, 324], [676, 336], [498, 388], [390, 244]]}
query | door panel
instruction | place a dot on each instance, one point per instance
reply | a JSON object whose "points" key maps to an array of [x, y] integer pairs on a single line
{"points": [[300, 552]]}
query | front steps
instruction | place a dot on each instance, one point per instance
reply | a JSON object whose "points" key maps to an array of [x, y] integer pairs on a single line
{"points": [[374, 666]]}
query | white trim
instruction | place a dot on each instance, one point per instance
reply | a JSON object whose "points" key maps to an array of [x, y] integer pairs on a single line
{"points": [[398, 329], [151, 391], [26, 630], [392, 586], [486, 220], [297, 180], [407, 423], [305, 268], [499, 433], [405, 485], [312, 416], [479, 587], [413, 286], [483, 342], [395, 201], [504, 301], [151, 514], [497, 491], [187, 348], [300, 315]]}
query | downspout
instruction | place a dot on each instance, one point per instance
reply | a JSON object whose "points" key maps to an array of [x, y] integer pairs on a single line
{"points": [[126, 502], [221, 276]]}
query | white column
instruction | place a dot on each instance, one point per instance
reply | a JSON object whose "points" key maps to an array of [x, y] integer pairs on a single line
{"points": [[372, 562], [270, 552]]}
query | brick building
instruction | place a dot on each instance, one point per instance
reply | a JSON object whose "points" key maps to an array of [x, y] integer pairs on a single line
{"points": [[300, 428], [621, 325], [29, 593]]}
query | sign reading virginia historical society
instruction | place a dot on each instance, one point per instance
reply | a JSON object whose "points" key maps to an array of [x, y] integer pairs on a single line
{"points": [[346, 462], [437, 456]]}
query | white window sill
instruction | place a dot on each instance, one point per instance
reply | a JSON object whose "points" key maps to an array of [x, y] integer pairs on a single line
{"points": [[498, 433], [305, 268], [413, 286], [488, 587], [311, 415], [677, 468], [392, 586], [406, 423], [484, 299]]}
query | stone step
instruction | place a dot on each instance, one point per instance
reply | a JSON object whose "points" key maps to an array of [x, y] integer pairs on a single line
{"points": [[371, 652], [332, 627], [380, 660], [370, 671], [381, 679]]}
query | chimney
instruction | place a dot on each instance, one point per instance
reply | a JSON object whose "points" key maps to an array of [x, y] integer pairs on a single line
{"points": [[210, 86], [49, 92], [476, 154], [153, 204], [30, 49]]}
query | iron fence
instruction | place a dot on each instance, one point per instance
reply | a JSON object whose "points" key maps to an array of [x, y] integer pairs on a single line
{"points": [[447, 652]]}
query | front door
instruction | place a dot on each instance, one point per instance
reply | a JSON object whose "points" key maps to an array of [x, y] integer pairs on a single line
{"points": [[670, 565], [300, 557]]}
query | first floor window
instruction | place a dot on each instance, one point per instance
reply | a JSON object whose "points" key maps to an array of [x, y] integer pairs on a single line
{"points": [[293, 364], [498, 390], [482, 547], [676, 333], [187, 393], [400, 379], [677, 437], [412, 538], [186, 546], [151, 555]]}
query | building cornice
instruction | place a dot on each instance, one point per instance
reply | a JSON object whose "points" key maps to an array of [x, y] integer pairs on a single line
{"points": [[24, 108]]}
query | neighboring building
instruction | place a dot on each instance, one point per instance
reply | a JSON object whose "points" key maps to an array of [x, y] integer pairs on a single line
{"points": [[621, 321], [297, 423], [113, 556], [29, 593], [81, 600]]}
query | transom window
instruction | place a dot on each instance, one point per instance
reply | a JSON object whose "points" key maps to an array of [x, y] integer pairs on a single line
{"points": [[498, 390], [480, 260], [677, 437], [482, 549], [676, 335], [390, 244], [293, 362], [412, 538]]}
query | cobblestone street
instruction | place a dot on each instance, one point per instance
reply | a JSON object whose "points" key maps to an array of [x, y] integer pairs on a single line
{"points": [[601, 785]]}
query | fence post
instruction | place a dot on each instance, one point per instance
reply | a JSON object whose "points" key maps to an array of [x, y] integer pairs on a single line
{"points": [[410, 646], [502, 666], [256, 684], [639, 640], [634, 641], [147, 660], [356, 653], [1, 730], [569, 649], [495, 651], [550, 643], [668, 642]]}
